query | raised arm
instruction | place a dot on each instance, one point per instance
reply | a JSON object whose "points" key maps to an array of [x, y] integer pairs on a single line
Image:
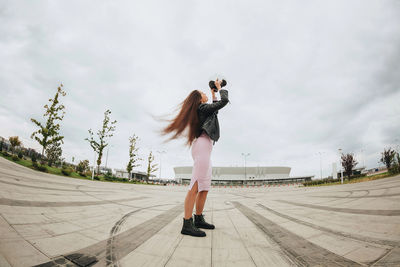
{"points": [[216, 105]]}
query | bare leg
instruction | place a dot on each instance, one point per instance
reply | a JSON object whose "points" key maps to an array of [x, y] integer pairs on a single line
{"points": [[200, 201], [189, 201]]}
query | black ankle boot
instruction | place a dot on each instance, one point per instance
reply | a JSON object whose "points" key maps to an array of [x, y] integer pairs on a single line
{"points": [[201, 223], [189, 228]]}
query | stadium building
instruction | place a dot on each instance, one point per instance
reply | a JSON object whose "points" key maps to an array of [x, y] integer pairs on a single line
{"points": [[242, 175]]}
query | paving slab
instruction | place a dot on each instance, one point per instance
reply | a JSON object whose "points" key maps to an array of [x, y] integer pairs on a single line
{"points": [[48, 220], [4, 262]]}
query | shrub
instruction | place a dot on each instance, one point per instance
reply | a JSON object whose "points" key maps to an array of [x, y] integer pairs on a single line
{"points": [[66, 171], [88, 173], [358, 176], [34, 164], [15, 158], [60, 164], [33, 158], [6, 154], [395, 169], [82, 174], [108, 178], [96, 178], [20, 155], [322, 181], [82, 166], [41, 168], [108, 174], [121, 180], [331, 180]]}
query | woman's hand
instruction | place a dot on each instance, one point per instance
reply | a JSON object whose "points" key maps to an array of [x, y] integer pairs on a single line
{"points": [[214, 98], [218, 84]]}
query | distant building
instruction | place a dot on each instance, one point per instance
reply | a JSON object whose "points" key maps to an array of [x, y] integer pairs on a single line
{"points": [[334, 171], [376, 170], [356, 171], [242, 175], [134, 174], [103, 169], [6, 143]]}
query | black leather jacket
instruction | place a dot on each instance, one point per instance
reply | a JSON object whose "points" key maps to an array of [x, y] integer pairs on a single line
{"points": [[208, 118]]}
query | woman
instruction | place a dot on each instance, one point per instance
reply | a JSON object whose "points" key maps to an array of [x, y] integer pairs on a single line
{"points": [[203, 129]]}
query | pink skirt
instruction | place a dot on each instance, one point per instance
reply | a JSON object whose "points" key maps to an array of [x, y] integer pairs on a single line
{"points": [[202, 169]]}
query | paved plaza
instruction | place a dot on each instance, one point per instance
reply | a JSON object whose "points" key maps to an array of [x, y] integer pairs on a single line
{"points": [[49, 220]]}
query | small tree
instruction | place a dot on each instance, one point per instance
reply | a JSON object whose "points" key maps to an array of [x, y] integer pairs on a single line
{"points": [[348, 163], [49, 133], [106, 132], [14, 141], [53, 153], [151, 167], [33, 157], [388, 156], [1, 145], [398, 158], [395, 165], [133, 156], [82, 166]]}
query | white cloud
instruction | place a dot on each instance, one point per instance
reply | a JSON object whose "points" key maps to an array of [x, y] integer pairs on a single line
{"points": [[303, 77]]}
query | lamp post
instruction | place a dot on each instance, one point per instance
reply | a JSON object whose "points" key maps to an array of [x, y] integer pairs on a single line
{"points": [[320, 163], [94, 164], [363, 158], [160, 152], [245, 156], [341, 167], [107, 155]]}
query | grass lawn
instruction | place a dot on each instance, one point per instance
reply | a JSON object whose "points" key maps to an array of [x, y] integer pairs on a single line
{"points": [[57, 171], [360, 179], [52, 170]]}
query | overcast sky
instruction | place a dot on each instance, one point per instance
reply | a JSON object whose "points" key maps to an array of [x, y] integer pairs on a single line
{"points": [[303, 76]]}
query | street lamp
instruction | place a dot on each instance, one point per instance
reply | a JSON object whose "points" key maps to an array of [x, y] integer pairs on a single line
{"points": [[320, 163], [245, 156], [341, 168], [160, 152], [94, 164], [363, 157], [107, 155]]}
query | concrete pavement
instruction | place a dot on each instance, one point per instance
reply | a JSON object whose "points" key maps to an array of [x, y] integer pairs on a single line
{"points": [[49, 220]]}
